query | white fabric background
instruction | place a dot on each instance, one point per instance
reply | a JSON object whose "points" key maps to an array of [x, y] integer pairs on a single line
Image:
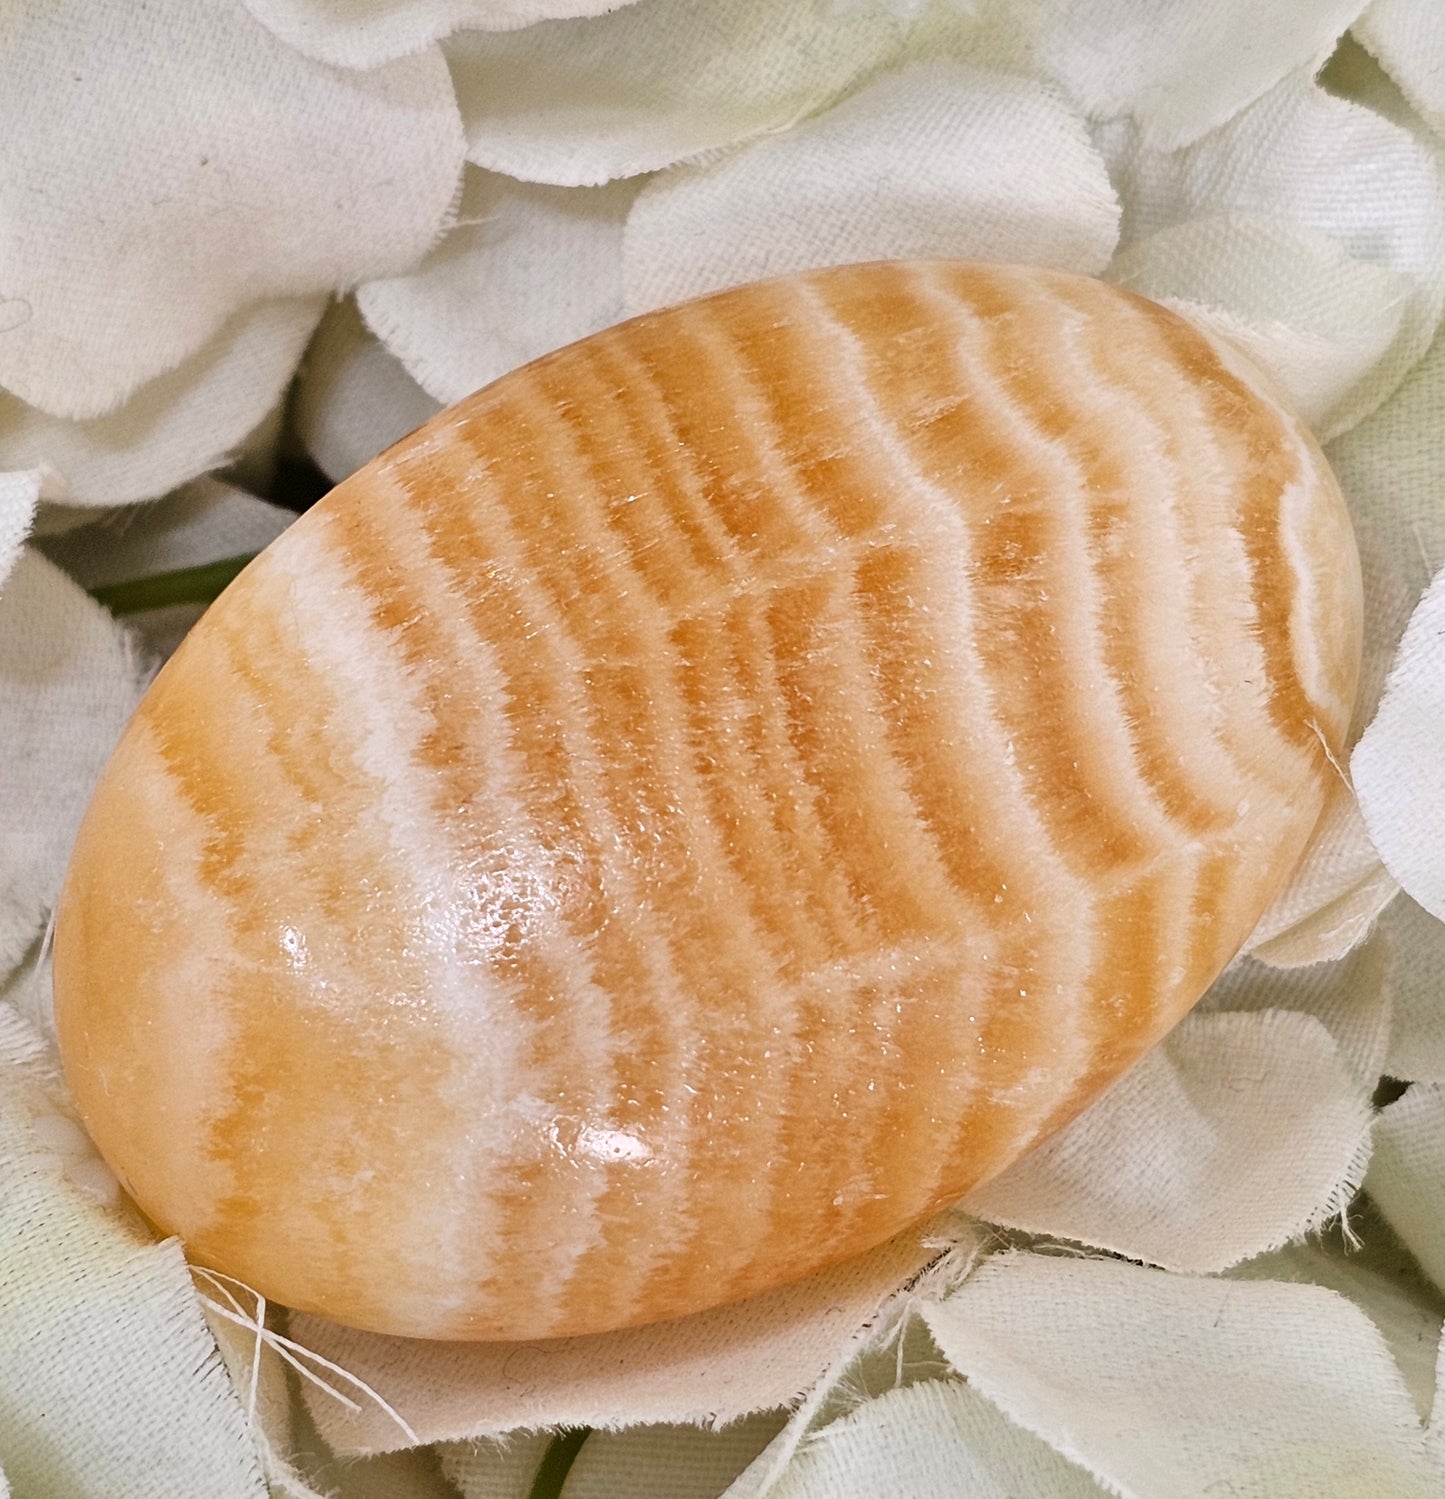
{"points": [[185, 185]]}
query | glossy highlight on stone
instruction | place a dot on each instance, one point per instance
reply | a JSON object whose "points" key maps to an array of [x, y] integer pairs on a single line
{"points": [[708, 800]]}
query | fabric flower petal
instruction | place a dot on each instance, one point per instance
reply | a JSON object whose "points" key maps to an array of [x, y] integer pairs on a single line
{"points": [[717, 1365], [1407, 1176], [680, 1462], [1314, 165], [938, 159], [934, 1440], [529, 269], [1352, 998], [1340, 887], [353, 398], [1352, 73], [1397, 768], [1333, 898], [69, 680], [1417, 984], [1408, 38], [1389, 468], [28, 989], [1302, 157], [367, 33], [1178, 67], [1186, 1386], [1318, 375], [178, 425], [1294, 299], [1394, 576], [577, 103], [152, 1413], [1240, 1132], [260, 1379], [413, 1474], [207, 521], [19, 495], [499, 1467], [893, 1349], [1374, 1276], [203, 522], [187, 164]]}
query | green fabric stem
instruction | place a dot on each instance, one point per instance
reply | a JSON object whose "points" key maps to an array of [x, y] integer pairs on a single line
{"points": [[557, 1462], [185, 585]]}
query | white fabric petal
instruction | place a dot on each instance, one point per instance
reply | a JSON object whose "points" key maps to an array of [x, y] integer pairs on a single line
{"points": [[678, 1462], [1407, 1174], [110, 1383], [178, 425], [1408, 37], [1191, 1387], [938, 159], [28, 989], [1316, 373], [935, 1440], [498, 1468], [69, 679], [187, 164], [1352, 73], [1397, 767], [1417, 985], [207, 521], [1179, 67], [1240, 1132], [1340, 888], [1351, 998], [19, 495], [1390, 468], [578, 103], [55, 517], [682, 1462], [1394, 575], [55, 1139], [1435, 1434], [1377, 1278], [528, 270], [203, 522], [1315, 165], [1304, 309], [892, 1350], [718, 1365], [414, 1474], [1335, 895], [366, 33], [253, 463], [1302, 157], [261, 1382], [353, 397]]}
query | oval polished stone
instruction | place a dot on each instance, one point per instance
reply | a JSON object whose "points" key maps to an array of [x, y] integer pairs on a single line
{"points": [[708, 800]]}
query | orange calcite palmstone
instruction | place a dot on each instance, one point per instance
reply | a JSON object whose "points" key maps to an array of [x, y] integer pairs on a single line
{"points": [[708, 800]]}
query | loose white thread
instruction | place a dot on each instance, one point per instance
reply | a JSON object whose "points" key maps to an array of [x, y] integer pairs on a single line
{"points": [[39, 1005], [1423, 549], [1340, 770], [289, 1350]]}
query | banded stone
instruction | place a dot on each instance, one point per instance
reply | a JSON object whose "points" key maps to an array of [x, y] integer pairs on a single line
{"points": [[708, 800]]}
